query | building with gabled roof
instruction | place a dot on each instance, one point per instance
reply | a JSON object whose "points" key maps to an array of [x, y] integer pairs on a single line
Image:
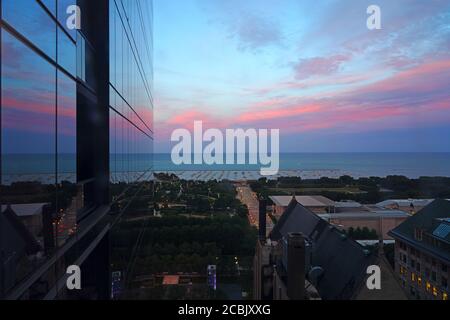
{"points": [[317, 204], [335, 265], [344, 262]]}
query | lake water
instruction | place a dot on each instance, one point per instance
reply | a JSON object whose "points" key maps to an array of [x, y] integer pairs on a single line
{"points": [[412, 165]]}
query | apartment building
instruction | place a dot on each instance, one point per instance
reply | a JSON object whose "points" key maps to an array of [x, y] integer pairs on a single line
{"points": [[422, 252]]}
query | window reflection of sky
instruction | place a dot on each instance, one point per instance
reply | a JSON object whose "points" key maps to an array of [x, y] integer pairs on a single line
{"points": [[32, 96], [27, 17], [28, 100]]}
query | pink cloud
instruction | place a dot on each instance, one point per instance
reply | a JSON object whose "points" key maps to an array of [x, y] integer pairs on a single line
{"points": [[43, 103], [343, 80], [39, 123], [319, 66], [414, 97], [423, 78], [257, 115], [186, 118], [30, 106]]}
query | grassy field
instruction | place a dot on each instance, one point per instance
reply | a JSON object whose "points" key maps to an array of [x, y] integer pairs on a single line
{"points": [[290, 191]]}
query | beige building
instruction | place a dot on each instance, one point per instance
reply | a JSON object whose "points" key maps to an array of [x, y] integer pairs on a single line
{"points": [[316, 204], [382, 221], [346, 214]]}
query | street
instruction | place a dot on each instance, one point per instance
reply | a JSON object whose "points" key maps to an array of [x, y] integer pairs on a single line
{"points": [[249, 198]]}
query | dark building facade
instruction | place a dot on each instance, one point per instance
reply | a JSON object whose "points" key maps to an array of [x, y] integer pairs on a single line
{"points": [[422, 252], [76, 139]]}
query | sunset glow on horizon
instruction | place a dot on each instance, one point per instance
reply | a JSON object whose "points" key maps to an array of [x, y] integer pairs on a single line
{"points": [[313, 70]]}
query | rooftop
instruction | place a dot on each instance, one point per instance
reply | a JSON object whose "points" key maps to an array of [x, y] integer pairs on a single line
{"points": [[443, 230], [426, 220], [366, 215], [406, 202], [26, 210], [344, 262], [306, 201], [348, 204]]}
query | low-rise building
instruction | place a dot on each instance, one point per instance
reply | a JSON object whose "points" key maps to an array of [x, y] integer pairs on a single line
{"points": [[381, 217], [382, 221], [316, 204], [348, 206], [29, 214], [407, 205]]}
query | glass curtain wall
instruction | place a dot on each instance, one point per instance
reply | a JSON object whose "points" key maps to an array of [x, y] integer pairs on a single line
{"points": [[38, 137], [47, 195], [131, 135]]}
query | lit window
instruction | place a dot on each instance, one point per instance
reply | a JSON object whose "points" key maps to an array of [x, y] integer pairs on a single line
{"points": [[428, 287], [413, 277], [419, 281], [435, 292], [445, 296]]}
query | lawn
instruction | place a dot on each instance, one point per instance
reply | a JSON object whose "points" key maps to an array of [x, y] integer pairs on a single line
{"points": [[290, 191]]}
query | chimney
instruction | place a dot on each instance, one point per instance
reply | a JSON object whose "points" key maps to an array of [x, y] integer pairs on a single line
{"points": [[262, 219], [296, 266]]}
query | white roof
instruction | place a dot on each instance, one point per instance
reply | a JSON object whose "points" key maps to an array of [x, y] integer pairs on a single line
{"points": [[348, 204], [406, 202], [373, 242], [306, 201], [368, 215], [25, 210]]}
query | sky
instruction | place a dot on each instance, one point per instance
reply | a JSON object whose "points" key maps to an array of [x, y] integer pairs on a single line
{"points": [[28, 96], [309, 68], [39, 105]]}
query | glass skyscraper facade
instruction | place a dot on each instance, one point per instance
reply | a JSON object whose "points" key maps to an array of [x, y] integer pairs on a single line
{"points": [[131, 133], [76, 139]]}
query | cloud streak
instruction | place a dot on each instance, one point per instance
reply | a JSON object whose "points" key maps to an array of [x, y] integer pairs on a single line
{"points": [[406, 96], [318, 66], [312, 70], [255, 32]]}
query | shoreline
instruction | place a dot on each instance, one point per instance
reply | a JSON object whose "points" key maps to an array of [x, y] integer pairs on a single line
{"points": [[246, 175], [202, 175]]}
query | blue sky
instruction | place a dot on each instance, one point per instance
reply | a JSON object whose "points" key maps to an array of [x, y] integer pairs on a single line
{"points": [[309, 68]]}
